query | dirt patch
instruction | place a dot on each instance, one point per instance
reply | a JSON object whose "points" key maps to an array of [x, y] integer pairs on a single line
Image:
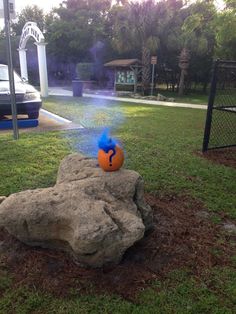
{"points": [[183, 236], [223, 156]]}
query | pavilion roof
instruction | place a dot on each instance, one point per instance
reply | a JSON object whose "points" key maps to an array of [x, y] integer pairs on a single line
{"points": [[122, 63]]}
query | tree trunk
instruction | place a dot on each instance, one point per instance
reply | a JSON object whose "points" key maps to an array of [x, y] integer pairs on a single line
{"points": [[181, 83], [146, 72], [184, 65], [204, 88]]}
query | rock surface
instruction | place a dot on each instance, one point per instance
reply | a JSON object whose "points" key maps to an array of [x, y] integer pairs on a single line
{"points": [[159, 97], [92, 214], [2, 198], [230, 227]]}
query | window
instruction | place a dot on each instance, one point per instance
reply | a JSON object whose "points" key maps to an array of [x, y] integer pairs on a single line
{"points": [[125, 77]]}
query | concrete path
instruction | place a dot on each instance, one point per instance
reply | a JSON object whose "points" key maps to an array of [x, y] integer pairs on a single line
{"points": [[59, 91], [47, 121]]}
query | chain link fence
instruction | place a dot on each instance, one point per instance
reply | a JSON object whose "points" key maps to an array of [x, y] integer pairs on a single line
{"points": [[220, 127]]}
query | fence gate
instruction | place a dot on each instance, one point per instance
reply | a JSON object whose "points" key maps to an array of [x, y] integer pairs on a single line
{"points": [[220, 127]]}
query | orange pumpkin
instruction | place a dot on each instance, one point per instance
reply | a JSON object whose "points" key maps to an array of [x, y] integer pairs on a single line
{"points": [[112, 160]]}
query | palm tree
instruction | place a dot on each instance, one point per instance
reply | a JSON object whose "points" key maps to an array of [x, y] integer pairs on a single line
{"points": [[136, 26], [198, 35], [184, 59]]}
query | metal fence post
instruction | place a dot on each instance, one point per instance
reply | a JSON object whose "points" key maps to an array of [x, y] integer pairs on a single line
{"points": [[10, 70], [210, 106]]}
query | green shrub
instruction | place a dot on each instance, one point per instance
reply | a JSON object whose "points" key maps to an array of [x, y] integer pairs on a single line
{"points": [[84, 71]]}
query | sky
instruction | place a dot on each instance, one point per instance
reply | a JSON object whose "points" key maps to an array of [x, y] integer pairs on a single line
{"points": [[48, 4]]}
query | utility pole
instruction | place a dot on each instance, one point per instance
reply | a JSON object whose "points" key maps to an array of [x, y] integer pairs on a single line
{"points": [[10, 68]]}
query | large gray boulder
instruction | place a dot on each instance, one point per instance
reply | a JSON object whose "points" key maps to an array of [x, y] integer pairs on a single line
{"points": [[94, 215], [2, 198]]}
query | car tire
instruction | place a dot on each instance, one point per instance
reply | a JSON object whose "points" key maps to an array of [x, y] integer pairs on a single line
{"points": [[33, 115]]}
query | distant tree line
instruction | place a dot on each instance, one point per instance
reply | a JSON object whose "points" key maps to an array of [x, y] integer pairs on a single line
{"points": [[184, 35]]}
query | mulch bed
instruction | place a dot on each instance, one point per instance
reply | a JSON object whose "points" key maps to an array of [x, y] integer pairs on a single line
{"points": [[183, 236], [223, 156]]}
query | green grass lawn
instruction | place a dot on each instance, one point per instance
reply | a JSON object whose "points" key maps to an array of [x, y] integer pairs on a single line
{"points": [[191, 97], [160, 143], [200, 98], [196, 98]]}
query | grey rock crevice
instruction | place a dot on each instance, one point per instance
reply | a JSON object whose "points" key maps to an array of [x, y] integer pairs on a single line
{"points": [[96, 219]]}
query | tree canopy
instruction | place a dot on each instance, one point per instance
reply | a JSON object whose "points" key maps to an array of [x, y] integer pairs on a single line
{"points": [[101, 30], [75, 27], [29, 13]]}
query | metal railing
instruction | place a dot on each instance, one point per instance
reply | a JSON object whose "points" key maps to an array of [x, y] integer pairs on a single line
{"points": [[220, 127]]}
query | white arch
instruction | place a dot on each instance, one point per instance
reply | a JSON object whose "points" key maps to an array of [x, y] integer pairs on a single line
{"points": [[31, 30]]}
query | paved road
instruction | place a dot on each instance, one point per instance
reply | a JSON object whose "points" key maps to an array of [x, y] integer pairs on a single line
{"points": [[59, 91]]}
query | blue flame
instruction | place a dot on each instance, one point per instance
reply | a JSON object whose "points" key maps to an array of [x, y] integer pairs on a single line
{"points": [[106, 142]]}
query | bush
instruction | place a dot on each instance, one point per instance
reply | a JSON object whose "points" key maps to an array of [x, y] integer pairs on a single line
{"points": [[84, 71]]}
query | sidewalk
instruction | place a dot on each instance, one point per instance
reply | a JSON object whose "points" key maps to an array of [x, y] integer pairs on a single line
{"points": [[59, 91]]}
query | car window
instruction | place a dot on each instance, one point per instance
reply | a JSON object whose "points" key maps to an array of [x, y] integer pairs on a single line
{"points": [[4, 74]]}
